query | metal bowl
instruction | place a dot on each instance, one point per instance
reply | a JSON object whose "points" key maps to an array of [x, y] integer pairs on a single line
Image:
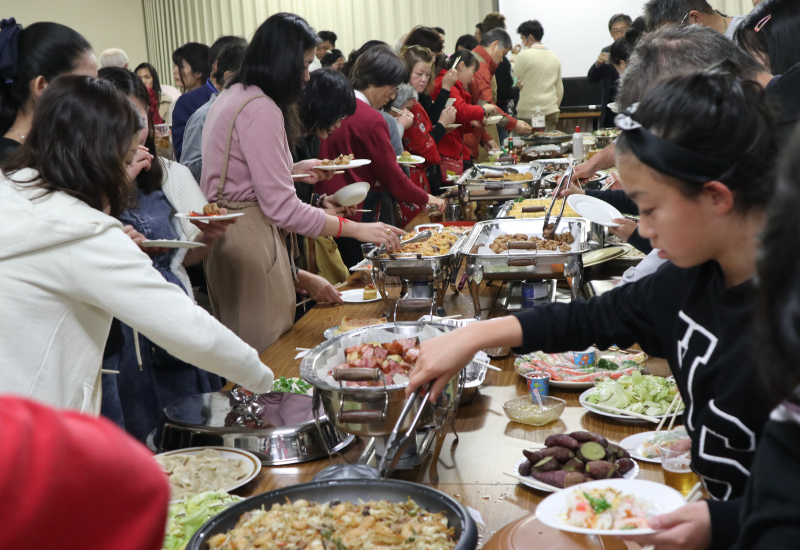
{"points": [[466, 532]]}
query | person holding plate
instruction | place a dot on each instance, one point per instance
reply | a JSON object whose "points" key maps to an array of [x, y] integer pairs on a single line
{"points": [[699, 175]]}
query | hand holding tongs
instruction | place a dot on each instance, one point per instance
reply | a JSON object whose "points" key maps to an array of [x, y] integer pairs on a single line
{"points": [[398, 441], [423, 236], [566, 179]]}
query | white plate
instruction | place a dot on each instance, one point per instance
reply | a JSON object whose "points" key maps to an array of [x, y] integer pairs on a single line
{"points": [[355, 163], [626, 418], [452, 126], [252, 461], [351, 195], [630, 475], [552, 510], [489, 120], [594, 209], [166, 243], [569, 385], [210, 218], [299, 176], [415, 159], [356, 296], [634, 444], [614, 107]]}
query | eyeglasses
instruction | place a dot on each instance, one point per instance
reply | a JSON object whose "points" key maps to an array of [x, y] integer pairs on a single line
{"points": [[685, 17], [620, 31], [394, 89]]}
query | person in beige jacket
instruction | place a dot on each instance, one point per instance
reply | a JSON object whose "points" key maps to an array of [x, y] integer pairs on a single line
{"points": [[538, 72]]}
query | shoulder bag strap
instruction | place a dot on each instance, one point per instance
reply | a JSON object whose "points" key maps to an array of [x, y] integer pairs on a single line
{"points": [[227, 159]]}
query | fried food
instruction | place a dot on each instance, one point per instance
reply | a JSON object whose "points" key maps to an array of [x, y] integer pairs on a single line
{"points": [[516, 209], [341, 160], [438, 244], [211, 209], [560, 243]]}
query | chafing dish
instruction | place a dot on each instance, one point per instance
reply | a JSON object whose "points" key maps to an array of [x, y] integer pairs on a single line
{"points": [[597, 232], [481, 264], [544, 139], [414, 279], [542, 152], [474, 186]]}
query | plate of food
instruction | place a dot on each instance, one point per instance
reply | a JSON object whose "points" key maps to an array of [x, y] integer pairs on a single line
{"points": [[490, 120], [570, 459], [564, 373], [453, 126], [637, 393], [351, 195], [609, 507], [168, 243], [342, 162], [210, 212], [352, 323], [594, 209], [360, 296], [199, 469], [408, 158], [644, 446]]}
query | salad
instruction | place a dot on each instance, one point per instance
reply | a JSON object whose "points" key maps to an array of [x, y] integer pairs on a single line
{"points": [[637, 393], [663, 438], [607, 508], [559, 366], [185, 518], [292, 385]]}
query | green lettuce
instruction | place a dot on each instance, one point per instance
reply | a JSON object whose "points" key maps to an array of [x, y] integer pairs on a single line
{"points": [[637, 393], [186, 517]]}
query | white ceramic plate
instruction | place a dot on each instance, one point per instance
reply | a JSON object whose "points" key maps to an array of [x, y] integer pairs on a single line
{"points": [[355, 163], [630, 475], [252, 461], [634, 444], [351, 195], [489, 120], [614, 107], [568, 385], [166, 243], [552, 510], [299, 176], [589, 406], [452, 126], [594, 209], [415, 159], [356, 296], [211, 218]]}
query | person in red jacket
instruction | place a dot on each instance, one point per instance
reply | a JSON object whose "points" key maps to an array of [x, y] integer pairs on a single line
{"points": [[76, 482], [375, 76], [452, 150]]}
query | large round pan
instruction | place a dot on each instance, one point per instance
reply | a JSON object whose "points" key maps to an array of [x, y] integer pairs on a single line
{"points": [[466, 532]]}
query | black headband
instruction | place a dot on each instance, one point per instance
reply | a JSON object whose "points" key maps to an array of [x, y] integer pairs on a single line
{"points": [[9, 32], [669, 158]]}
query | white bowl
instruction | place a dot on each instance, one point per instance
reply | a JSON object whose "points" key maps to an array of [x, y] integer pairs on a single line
{"points": [[352, 194]]}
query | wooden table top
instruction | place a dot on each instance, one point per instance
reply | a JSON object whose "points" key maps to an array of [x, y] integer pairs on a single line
{"points": [[489, 443]]}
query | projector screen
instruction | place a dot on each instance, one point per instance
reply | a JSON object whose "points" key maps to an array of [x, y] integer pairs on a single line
{"points": [[576, 30]]}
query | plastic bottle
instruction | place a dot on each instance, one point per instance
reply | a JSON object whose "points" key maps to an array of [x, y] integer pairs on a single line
{"points": [[537, 121], [577, 143]]}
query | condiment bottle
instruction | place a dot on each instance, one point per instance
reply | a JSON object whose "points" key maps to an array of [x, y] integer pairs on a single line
{"points": [[577, 143], [537, 121]]}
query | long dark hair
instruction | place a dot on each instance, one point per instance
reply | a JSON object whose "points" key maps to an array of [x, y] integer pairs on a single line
{"points": [[132, 86], [196, 56], [154, 74], [327, 97], [716, 114], [81, 132], [46, 49], [778, 304], [776, 38], [274, 62]]}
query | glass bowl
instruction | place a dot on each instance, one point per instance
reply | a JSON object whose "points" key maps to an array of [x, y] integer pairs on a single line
{"points": [[522, 410]]}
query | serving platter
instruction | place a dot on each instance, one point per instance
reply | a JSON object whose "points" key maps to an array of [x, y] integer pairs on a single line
{"points": [[586, 404], [543, 487]]}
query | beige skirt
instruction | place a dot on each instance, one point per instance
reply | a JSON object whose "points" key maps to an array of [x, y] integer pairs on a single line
{"points": [[249, 278]]}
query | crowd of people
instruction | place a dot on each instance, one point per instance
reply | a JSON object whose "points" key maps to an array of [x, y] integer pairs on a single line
{"points": [[95, 322]]}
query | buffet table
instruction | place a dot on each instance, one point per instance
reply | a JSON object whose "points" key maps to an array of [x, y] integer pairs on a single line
{"points": [[489, 443]]}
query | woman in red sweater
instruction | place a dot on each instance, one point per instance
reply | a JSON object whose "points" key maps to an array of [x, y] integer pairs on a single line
{"points": [[451, 146], [375, 76]]}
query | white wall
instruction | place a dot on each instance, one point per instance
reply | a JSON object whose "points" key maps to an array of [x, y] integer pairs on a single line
{"points": [[576, 30], [104, 23]]}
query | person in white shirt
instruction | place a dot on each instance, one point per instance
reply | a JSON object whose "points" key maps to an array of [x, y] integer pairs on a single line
{"points": [[538, 72], [67, 266], [328, 43]]}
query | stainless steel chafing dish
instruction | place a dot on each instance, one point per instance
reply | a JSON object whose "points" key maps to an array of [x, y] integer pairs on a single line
{"points": [[597, 232], [474, 186], [481, 264], [415, 279]]}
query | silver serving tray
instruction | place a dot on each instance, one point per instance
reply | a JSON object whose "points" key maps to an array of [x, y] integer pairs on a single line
{"points": [[597, 232], [288, 433], [547, 140]]}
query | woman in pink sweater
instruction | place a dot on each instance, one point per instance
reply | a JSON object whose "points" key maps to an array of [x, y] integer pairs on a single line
{"points": [[247, 167]]}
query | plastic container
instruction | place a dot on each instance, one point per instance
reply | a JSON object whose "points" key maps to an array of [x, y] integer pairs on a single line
{"points": [[540, 381], [577, 143], [584, 358], [522, 410]]}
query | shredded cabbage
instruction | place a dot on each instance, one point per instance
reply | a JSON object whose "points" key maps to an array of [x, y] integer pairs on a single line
{"points": [[638, 393], [292, 385], [186, 517]]}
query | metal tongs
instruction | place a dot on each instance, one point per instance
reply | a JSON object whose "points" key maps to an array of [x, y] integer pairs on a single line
{"points": [[398, 440], [422, 236], [566, 179]]}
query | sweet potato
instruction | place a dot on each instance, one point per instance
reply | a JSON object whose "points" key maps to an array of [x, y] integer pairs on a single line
{"points": [[583, 437], [574, 465], [617, 475], [562, 454], [561, 440], [533, 457], [560, 479], [611, 456], [590, 451], [600, 469], [619, 451], [547, 464], [525, 468], [625, 465]]}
